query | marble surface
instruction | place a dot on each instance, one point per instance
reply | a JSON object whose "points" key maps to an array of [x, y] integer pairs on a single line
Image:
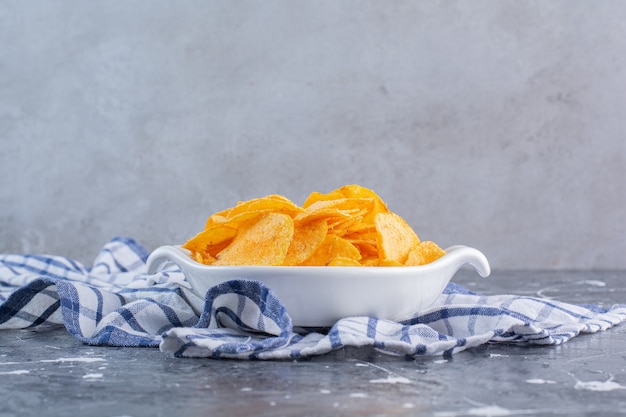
{"points": [[47, 372]]}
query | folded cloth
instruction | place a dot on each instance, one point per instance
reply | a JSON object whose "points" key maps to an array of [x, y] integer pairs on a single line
{"points": [[116, 303]]}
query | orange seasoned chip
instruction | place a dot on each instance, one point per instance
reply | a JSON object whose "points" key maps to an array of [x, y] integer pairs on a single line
{"points": [[220, 217], [306, 239], [369, 261], [356, 191], [203, 258], [365, 241], [348, 226], [273, 203], [395, 237], [388, 262], [367, 250], [245, 210], [426, 252], [365, 235], [332, 247], [210, 241], [263, 240], [316, 196], [342, 208], [347, 191], [341, 261]]}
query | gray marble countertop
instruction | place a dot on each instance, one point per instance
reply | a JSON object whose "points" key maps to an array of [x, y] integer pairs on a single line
{"points": [[48, 372]]}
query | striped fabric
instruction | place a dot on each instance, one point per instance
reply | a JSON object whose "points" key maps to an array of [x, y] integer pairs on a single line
{"points": [[115, 303]]}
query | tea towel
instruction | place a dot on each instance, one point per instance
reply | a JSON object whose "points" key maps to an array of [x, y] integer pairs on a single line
{"points": [[115, 302]]}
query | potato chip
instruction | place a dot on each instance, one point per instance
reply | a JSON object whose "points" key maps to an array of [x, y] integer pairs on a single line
{"points": [[356, 191], [388, 262], [395, 237], [347, 191], [332, 247], [263, 240], [341, 261], [203, 258], [365, 235], [365, 241], [426, 252], [367, 250], [211, 240], [306, 239], [316, 196], [369, 261], [342, 208], [245, 210], [349, 226]]}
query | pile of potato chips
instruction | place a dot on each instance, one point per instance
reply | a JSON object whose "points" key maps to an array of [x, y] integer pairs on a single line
{"points": [[350, 226]]}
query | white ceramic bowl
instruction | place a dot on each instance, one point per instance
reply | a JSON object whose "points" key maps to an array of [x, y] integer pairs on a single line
{"points": [[318, 296]]}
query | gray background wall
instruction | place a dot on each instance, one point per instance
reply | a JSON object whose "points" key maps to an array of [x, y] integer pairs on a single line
{"points": [[493, 124]]}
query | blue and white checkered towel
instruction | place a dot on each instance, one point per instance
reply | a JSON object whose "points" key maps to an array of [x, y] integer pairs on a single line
{"points": [[116, 303]]}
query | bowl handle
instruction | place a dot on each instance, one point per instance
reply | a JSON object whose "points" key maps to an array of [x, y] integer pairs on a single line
{"points": [[167, 253], [460, 255]]}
